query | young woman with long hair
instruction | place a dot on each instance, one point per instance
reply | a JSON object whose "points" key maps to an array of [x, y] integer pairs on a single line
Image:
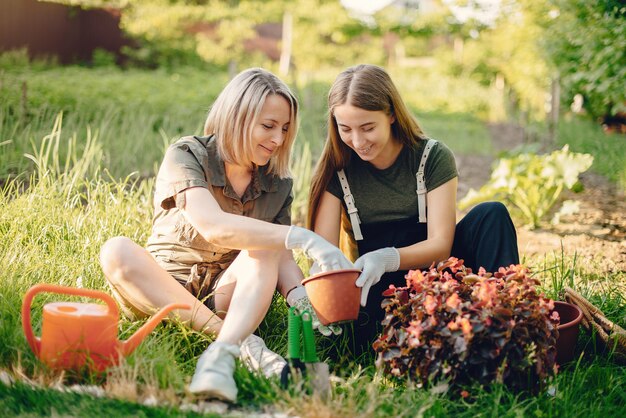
{"points": [[393, 191]]}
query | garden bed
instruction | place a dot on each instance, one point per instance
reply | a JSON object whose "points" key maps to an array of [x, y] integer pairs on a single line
{"points": [[596, 234]]}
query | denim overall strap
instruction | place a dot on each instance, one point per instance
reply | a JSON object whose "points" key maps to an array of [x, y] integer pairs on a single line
{"points": [[421, 182], [352, 210]]}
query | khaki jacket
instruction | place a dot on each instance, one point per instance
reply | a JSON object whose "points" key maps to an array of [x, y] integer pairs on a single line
{"points": [[194, 162]]}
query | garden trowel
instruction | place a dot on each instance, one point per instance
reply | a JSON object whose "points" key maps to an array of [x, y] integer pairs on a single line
{"points": [[303, 364], [294, 369], [317, 371]]}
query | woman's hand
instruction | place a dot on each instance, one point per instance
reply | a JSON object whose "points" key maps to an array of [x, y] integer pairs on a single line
{"points": [[373, 265], [298, 298], [327, 256]]}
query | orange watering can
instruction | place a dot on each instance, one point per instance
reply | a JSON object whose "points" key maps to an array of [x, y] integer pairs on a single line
{"points": [[74, 335]]}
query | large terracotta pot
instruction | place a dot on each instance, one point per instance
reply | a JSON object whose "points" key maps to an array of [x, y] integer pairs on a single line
{"points": [[334, 295], [570, 315]]}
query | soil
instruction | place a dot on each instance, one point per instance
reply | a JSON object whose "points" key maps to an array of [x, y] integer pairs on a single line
{"points": [[596, 234]]}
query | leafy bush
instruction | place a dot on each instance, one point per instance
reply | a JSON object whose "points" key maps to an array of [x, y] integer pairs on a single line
{"points": [[102, 58], [590, 61], [531, 183], [463, 327]]}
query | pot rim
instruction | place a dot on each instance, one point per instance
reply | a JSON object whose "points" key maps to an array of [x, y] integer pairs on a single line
{"points": [[574, 321], [327, 273]]}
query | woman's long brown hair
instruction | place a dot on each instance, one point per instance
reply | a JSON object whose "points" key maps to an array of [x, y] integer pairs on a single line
{"points": [[368, 87]]}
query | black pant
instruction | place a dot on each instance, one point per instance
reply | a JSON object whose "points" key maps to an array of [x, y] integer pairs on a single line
{"points": [[484, 237]]}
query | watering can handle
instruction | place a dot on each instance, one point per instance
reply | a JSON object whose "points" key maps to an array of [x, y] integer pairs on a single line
{"points": [[35, 342]]}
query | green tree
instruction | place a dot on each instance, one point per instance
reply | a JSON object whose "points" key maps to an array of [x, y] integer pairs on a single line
{"points": [[406, 30], [508, 48], [586, 41], [325, 35], [171, 32]]}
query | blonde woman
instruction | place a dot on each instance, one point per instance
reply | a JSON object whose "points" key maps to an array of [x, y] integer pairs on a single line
{"points": [[395, 189], [221, 234]]}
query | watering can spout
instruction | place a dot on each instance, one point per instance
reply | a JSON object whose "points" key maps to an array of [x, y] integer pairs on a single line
{"points": [[128, 346]]}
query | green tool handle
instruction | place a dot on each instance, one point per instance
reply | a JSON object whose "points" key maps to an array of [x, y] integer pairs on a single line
{"points": [[294, 327], [310, 354]]}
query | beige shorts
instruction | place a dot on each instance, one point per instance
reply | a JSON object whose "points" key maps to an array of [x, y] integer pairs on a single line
{"points": [[200, 280]]}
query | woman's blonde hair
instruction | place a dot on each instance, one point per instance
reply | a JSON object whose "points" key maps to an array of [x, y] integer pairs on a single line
{"points": [[367, 87], [235, 112]]}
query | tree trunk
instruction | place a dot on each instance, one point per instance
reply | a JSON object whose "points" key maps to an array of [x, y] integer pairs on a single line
{"points": [[555, 104], [285, 52]]}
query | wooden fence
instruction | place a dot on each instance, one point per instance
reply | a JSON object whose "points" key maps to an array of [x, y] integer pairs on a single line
{"points": [[50, 29]]}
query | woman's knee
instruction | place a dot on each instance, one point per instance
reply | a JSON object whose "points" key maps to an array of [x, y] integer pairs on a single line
{"points": [[116, 257], [253, 264], [265, 256], [492, 210]]}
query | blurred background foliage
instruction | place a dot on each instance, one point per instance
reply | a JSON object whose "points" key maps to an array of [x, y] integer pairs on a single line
{"points": [[522, 47], [586, 43], [555, 68]]}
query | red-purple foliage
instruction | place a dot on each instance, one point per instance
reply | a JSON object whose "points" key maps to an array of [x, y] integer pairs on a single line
{"points": [[453, 325]]}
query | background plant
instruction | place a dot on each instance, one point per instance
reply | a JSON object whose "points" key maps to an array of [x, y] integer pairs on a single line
{"points": [[531, 183], [458, 327], [591, 61]]}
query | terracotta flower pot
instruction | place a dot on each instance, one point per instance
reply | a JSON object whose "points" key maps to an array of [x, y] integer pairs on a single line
{"points": [[570, 315], [334, 295]]}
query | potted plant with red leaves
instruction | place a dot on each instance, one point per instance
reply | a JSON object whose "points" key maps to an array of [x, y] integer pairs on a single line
{"points": [[450, 324]]}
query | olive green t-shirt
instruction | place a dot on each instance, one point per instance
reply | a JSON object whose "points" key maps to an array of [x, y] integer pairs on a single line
{"points": [[390, 194], [194, 162]]}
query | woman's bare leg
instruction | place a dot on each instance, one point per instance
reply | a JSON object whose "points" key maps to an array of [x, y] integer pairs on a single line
{"points": [[139, 280], [289, 276], [246, 290]]}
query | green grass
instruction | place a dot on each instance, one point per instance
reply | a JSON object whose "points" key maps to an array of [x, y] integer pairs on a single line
{"points": [[462, 132], [608, 150], [53, 224], [135, 113], [23, 400]]}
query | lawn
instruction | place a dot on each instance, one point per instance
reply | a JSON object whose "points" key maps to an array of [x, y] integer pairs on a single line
{"points": [[94, 139]]}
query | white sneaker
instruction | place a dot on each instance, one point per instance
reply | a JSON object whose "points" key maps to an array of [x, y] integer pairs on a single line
{"points": [[256, 356], [213, 378]]}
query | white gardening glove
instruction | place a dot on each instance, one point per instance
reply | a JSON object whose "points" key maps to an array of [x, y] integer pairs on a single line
{"points": [[373, 265], [326, 255], [298, 298], [314, 269]]}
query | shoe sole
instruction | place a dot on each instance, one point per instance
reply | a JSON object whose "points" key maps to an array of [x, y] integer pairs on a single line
{"points": [[213, 395]]}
